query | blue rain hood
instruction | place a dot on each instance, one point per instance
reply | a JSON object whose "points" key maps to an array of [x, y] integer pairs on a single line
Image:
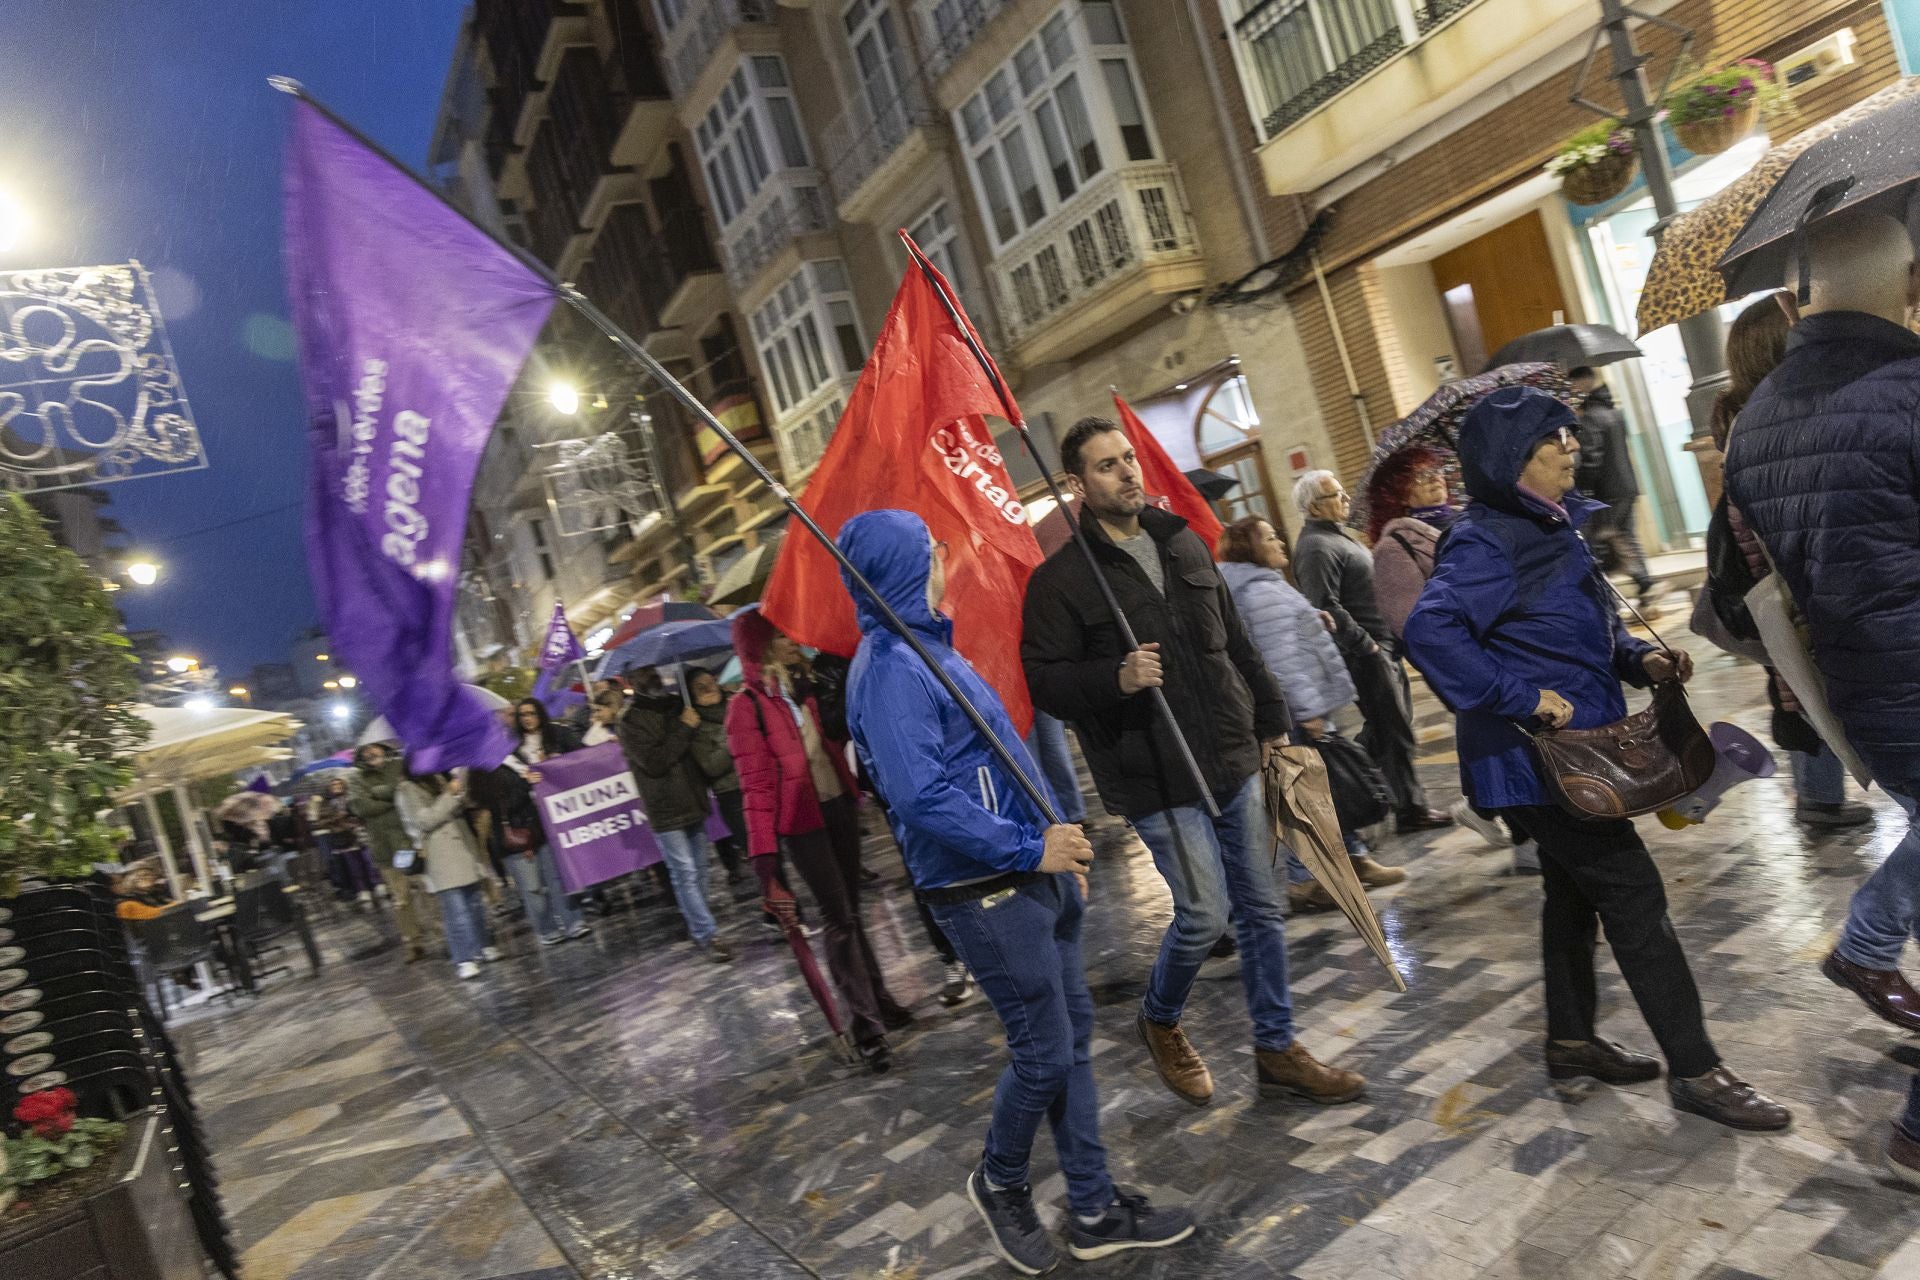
{"points": [[1497, 438], [894, 551]]}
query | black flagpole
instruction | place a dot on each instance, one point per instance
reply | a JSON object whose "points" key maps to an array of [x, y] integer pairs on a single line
{"points": [[646, 360], [1012, 414]]}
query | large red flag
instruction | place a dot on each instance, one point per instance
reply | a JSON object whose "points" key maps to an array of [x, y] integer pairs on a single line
{"points": [[1158, 476], [915, 437]]}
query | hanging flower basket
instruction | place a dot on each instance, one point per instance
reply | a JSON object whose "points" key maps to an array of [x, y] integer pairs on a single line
{"points": [[1596, 164], [1711, 136]]}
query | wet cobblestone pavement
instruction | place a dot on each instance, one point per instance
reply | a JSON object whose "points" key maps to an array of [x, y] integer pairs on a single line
{"points": [[620, 1108]]}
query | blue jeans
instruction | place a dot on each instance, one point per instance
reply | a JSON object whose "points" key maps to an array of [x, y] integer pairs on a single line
{"points": [[1047, 741], [1886, 908], [464, 914], [1214, 866], [686, 857], [537, 877], [1818, 779], [1040, 993]]}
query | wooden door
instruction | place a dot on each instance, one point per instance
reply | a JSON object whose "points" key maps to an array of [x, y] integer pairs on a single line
{"points": [[1505, 280]]}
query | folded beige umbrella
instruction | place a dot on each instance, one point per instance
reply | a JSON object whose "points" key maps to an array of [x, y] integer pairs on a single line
{"points": [[1300, 802]]}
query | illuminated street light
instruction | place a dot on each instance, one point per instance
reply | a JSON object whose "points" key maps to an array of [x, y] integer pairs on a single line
{"points": [[238, 691], [349, 682], [564, 397], [143, 573], [341, 711], [330, 684], [319, 657], [181, 665]]}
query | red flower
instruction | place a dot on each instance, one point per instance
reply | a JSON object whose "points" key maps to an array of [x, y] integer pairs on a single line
{"points": [[48, 1113]]}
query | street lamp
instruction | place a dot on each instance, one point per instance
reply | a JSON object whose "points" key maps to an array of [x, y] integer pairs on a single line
{"points": [[319, 657], [341, 711], [349, 682], [143, 573], [330, 684], [564, 397], [180, 665], [239, 691]]}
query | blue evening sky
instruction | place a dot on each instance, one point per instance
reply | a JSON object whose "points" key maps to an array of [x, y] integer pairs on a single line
{"points": [[145, 129]]}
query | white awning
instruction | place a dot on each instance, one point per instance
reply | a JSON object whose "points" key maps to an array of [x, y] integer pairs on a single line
{"points": [[186, 745]]}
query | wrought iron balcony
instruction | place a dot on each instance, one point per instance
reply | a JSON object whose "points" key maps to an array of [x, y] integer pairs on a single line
{"points": [[792, 204], [1303, 52], [949, 26], [691, 43], [862, 138], [1123, 226]]}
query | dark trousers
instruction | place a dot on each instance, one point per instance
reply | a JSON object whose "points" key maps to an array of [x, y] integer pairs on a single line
{"points": [[829, 861], [1615, 540], [1600, 874], [1040, 992], [732, 850], [1387, 704]]}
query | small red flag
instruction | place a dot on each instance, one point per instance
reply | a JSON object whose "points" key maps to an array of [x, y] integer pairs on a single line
{"points": [[914, 437], [1159, 477]]}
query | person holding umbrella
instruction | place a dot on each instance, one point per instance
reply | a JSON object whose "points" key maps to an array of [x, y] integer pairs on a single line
{"points": [[1821, 464], [1517, 625], [1007, 889]]}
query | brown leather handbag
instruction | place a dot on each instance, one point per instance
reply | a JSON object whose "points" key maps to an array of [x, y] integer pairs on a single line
{"points": [[1633, 766]]}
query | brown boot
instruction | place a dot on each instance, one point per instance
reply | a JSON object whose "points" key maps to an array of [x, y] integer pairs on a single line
{"points": [[1375, 876], [1294, 1074], [1181, 1069], [1308, 896]]}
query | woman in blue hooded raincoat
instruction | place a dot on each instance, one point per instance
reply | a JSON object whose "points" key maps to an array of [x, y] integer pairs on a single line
{"points": [[1517, 627]]}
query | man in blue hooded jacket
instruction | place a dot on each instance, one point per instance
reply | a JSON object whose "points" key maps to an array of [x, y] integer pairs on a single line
{"points": [[1823, 464], [999, 882], [1517, 626]]}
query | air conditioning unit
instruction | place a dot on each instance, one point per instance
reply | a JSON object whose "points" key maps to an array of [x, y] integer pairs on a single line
{"points": [[1824, 57]]}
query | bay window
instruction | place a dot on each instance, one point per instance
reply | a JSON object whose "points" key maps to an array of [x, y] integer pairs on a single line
{"points": [[751, 130], [807, 333]]}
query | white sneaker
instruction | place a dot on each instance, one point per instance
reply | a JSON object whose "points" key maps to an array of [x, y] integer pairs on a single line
{"points": [[1487, 829], [1526, 859], [580, 930], [490, 954], [467, 969], [959, 985]]}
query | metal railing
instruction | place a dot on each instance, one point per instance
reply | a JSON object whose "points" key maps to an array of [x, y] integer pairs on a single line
{"points": [[949, 26], [789, 205], [1128, 219], [691, 43], [860, 138], [1304, 52]]}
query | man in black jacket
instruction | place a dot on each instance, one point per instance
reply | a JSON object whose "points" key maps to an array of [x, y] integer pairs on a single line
{"points": [[658, 734], [1193, 648], [1336, 573], [1606, 472]]}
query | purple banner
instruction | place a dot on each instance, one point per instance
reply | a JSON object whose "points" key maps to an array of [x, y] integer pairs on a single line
{"points": [[412, 324], [558, 651], [593, 816]]}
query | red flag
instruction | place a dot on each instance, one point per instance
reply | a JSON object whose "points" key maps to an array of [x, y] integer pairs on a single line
{"points": [[915, 437], [1158, 476]]}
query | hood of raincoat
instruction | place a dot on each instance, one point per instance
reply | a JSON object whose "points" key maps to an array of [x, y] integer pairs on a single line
{"points": [[894, 551], [752, 633], [1496, 440]]}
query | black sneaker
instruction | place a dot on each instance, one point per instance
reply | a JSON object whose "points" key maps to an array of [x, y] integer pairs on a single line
{"points": [[1130, 1223], [1018, 1238]]}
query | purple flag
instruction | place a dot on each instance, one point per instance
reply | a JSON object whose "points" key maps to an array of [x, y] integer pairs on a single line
{"points": [[413, 325], [558, 652]]}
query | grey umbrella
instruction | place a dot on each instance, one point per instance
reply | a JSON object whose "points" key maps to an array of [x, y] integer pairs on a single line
{"points": [[1571, 346]]}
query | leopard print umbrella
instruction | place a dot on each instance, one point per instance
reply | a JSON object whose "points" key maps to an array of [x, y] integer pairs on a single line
{"points": [[1682, 280]]}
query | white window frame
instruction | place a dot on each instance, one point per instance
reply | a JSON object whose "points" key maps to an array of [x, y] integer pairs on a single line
{"points": [[898, 71], [945, 245], [797, 334], [1084, 64], [672, 12], [738, 135]]}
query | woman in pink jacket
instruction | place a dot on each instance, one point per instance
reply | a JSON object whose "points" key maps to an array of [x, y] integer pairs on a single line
{"points": [[800, 796]]}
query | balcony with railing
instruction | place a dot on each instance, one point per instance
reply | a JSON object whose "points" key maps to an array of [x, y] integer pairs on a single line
{"points": [[639, 81], [791, 204], [948, 27], [571, 153], [863, 139], [701, 29], [1102, 262], [1333, 83]]}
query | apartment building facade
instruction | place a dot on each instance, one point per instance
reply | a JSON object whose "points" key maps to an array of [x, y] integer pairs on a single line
{"points": [[1412, 134], [726, 179]]}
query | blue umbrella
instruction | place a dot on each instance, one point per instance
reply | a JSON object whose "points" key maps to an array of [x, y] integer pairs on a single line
{"points": [[668, 644]]}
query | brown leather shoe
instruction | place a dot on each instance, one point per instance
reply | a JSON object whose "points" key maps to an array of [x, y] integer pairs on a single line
{"points": [[1375, 876], [1726, 1099], [1601, 1060], [1294, 1074], [1181, 1068], [1309, 896], [1886, 991], [1903, 1157]]}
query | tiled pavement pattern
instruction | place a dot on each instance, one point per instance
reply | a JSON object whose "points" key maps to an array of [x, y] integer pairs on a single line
{"points": [[616, 1108]]}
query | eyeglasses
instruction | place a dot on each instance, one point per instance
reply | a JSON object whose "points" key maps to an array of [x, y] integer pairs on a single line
{"points": [[1568, 439]]}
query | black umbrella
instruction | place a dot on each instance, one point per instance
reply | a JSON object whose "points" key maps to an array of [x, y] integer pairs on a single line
{"points": [[1571, 346], [1212, 485], [1869, 166]]}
